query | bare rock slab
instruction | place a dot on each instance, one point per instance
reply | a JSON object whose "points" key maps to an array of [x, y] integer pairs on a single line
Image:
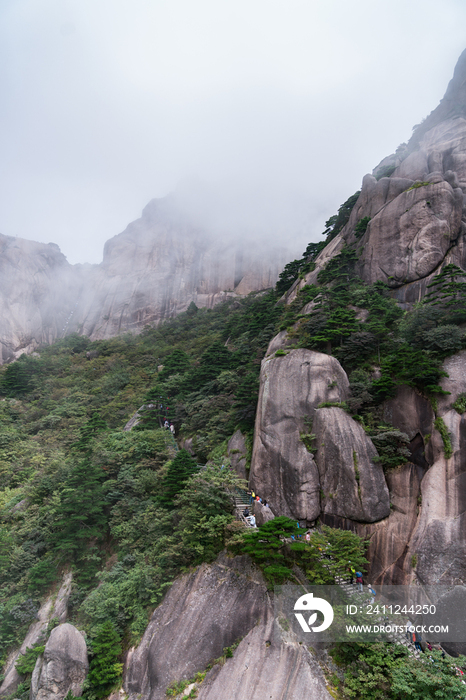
{"points": [[352, 483], [237, 452], [202, 613], [291, 387], [264, 667], [49, 610], [63, 667]]}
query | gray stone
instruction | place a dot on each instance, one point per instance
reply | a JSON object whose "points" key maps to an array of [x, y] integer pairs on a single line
{"points": [[282, 469], [262, 513], [352, 484], [237, 452], [52, 608], [265, 666], [202, 613], [64, 665], [410, 236]]}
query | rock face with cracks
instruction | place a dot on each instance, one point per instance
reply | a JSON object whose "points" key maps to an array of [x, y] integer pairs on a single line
{"points": [[210, 609], [52, 608], [63, 666], [237, 452], [282, 469], [352, 483], [203, 613], [267, 665], [439, 541]]}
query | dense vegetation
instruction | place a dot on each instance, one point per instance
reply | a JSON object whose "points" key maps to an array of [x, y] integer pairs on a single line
{"points": [[127, 511], [122, 509]]}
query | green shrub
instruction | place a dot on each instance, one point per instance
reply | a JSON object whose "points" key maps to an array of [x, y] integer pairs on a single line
{"points": [[392, 446], [104, 669], [361, 226], [439, 424], [460, 404], [385, 171], [26, 662], [417, 185], [444, 339]]}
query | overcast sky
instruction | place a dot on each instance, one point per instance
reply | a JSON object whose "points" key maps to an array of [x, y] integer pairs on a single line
{"points": [[277, 108]]}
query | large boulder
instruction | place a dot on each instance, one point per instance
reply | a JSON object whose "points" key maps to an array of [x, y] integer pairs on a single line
{"points": [[411, 413], [203, 613], [282, 468], [438, 544], [351, 481], [267, 664], [63, 666], [411, 235], [237, 451], [54, 607]]}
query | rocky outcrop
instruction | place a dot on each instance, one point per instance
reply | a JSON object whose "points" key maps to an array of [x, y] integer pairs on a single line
{"points": [[351, 482], [417, 214], [439, 541], [206, 611], [410, 236], [63, 666], [237, 452], [267, 664], [262, 513], [53, 608], [203, 613], [38, 291], [282, 469], [152, 271], [164, 261]]}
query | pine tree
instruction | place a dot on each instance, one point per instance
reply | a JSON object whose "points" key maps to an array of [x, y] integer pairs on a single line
{"points": [[448, 290], [104, 669], [89, 430], [179, 471], [81, 515], [176, 363], [17, 379]]}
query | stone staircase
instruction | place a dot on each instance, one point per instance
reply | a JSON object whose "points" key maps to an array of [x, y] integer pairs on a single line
{"points": [[396, 637], [241, 502]]}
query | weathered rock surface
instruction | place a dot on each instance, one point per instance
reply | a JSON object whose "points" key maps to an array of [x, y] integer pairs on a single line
{"points": [[62, 667], [412, 414], [282, 469], [52, 608], [439, 541], [410, 236], [388, 549], [352, 483], [202, 613], [263, 667], [237, 451], [152, 271], [38, 290], [262, 513]]}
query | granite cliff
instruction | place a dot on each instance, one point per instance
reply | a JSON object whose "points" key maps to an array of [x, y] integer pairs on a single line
{"points": [[311, 459], [413, 207], [152, 271]]}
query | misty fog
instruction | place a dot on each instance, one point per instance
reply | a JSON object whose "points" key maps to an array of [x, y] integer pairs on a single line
{"points": [[263, 116]]}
